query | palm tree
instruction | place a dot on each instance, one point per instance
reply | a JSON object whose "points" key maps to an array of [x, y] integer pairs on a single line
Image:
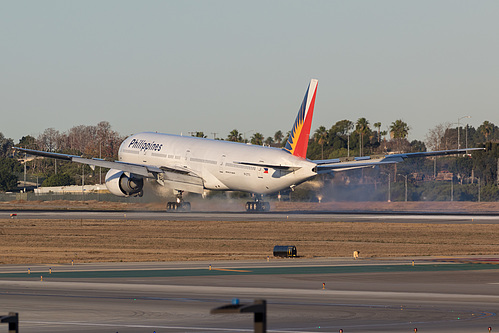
{"points": [[257, 139], [378, 126], [278, 137], [235, 136], [399, 131], [486, 129], [288, 133], [361, 127], [320, 136], [269, 141]]}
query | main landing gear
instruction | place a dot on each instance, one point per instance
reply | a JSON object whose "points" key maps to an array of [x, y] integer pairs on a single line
{"points": [[178, 206], [258, 205]]}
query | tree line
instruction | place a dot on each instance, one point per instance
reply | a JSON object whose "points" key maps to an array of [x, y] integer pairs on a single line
{"points": [[344, 139], [93, 141]]}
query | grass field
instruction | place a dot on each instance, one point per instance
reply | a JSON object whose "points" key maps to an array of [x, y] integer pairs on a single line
{"points": [[60, 241]]}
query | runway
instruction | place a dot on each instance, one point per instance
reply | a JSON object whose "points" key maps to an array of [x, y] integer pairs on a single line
{"points": [[269, 216], [437, 294], [358, 295]]}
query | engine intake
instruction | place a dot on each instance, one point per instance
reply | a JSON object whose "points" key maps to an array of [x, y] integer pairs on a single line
{"points": [[118, 183]]}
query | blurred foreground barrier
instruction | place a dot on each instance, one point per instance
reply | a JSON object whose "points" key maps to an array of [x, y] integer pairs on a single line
{"points": [[259, 307], [13, 320]]}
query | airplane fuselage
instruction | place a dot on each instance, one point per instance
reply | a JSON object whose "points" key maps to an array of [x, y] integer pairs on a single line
{"points": [[219, 163]]}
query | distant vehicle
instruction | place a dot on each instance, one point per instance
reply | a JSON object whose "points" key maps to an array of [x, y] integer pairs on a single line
{"points": [[191, 164], [288, 251]]}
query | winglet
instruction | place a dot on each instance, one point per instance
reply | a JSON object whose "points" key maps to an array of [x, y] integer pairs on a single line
{"points": [[297, 143]]}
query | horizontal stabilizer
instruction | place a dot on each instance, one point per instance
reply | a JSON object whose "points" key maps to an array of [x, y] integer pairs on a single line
{"points": [[333, 160], [272, 166], [343, 166]]}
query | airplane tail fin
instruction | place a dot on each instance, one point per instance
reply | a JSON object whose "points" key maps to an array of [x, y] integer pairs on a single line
{"points": [[297, 143]]}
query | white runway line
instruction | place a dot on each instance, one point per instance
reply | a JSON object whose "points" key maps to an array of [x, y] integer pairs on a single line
{"points": [[180, 328]]}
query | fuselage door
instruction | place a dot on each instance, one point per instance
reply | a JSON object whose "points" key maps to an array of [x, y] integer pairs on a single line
{"points": [[221, 164], [187, 158], [261, 170]]}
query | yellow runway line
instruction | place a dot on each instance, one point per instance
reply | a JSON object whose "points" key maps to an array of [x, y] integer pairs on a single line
{"points": [[229, 270]]}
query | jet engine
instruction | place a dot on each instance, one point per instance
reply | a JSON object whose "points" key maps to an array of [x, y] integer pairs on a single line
{"points": [[123, 185]]}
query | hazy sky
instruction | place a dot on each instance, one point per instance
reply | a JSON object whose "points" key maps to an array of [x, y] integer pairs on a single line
{"points": [[212, 66]]}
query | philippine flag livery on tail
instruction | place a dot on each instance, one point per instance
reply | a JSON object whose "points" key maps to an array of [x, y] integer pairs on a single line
{"points": [[297, 143]]}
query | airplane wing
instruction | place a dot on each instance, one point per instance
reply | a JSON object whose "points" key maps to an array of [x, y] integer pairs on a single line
{"points": [[326, 166], [147, 171], [177, 178], [181, 179]]}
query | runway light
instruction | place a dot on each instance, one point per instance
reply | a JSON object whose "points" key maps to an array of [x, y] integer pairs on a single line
{"points": [[235, 301], [490, 329], [323, 285]]}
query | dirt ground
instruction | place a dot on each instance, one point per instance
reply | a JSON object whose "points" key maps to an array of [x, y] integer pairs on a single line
{"points": [[60, 241]]}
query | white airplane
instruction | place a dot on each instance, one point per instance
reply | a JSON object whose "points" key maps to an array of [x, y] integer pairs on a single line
{"points": [[191, 164]]}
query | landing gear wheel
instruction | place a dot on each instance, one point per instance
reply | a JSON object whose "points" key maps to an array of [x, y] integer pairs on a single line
{"points": [[249, 206], [257, 206], [185, 206], [178, 206]]}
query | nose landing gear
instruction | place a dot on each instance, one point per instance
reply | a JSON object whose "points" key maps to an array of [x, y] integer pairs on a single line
{"points": [[178, 206]]}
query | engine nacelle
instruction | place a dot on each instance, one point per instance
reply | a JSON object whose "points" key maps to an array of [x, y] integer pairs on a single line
{"points": [[118, 183]]}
